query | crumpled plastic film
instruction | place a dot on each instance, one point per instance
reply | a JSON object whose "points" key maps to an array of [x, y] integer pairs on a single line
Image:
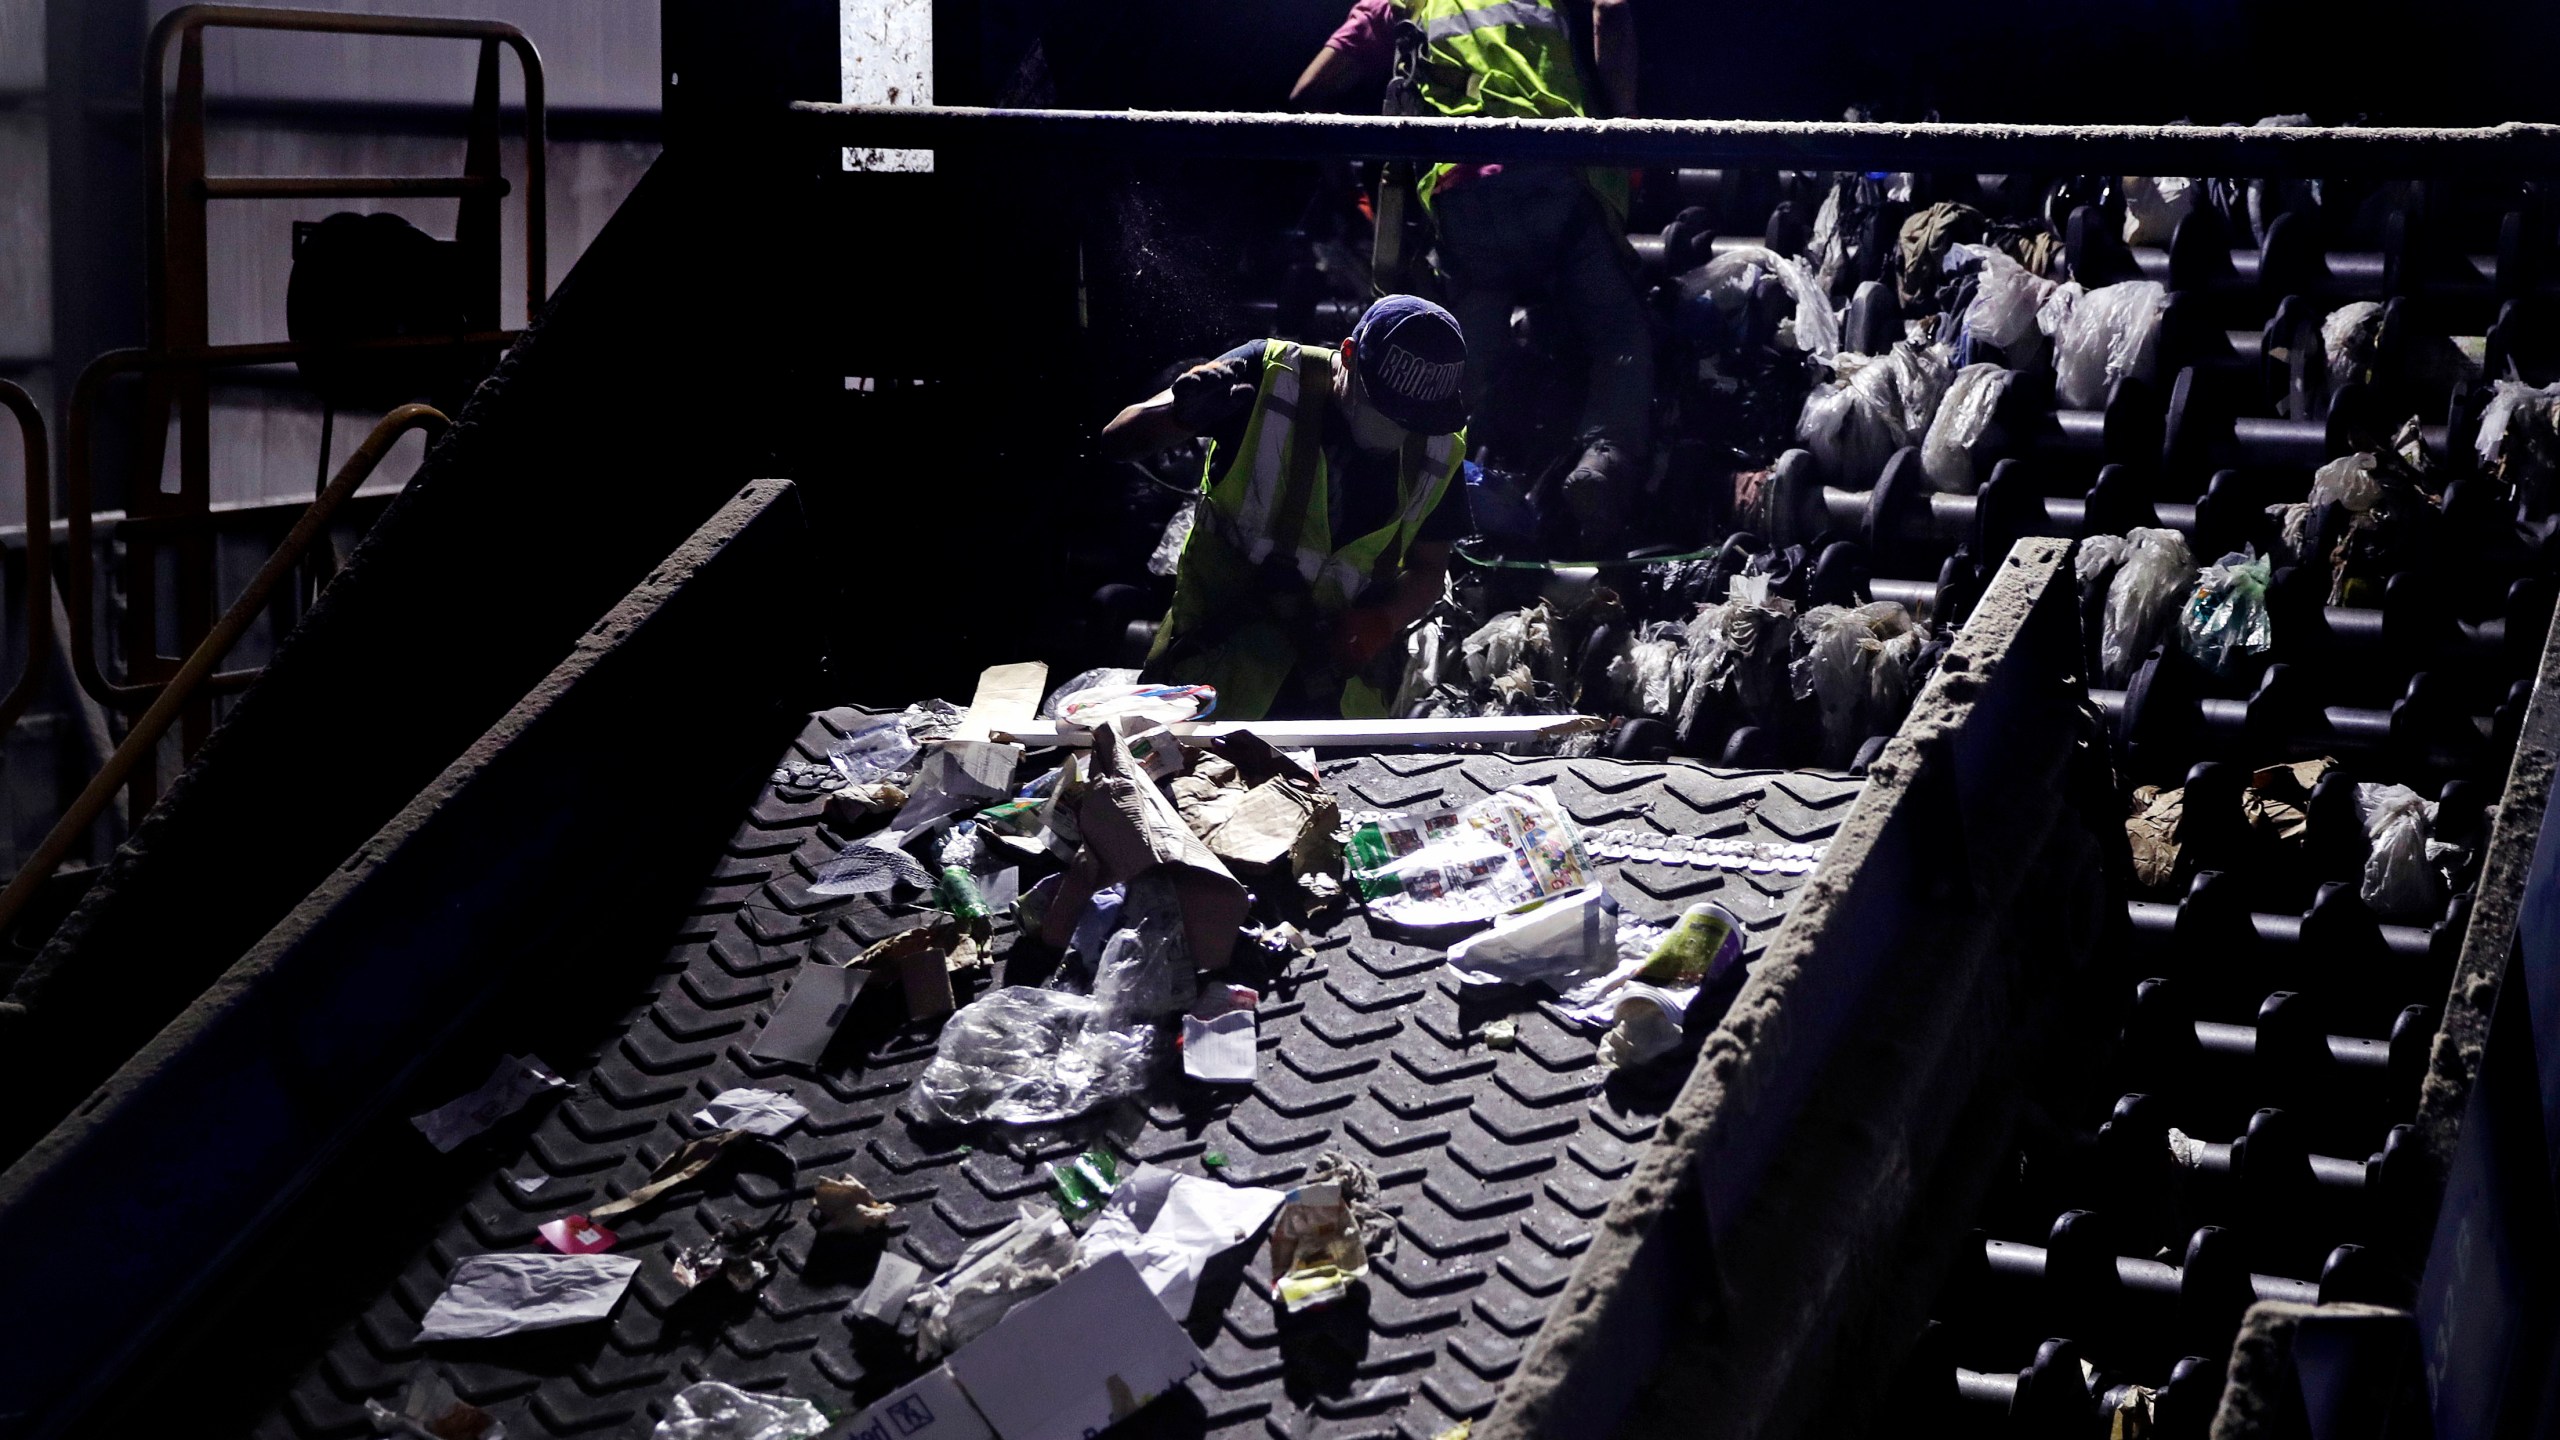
{"points": [[2520, 440], [1029, 1057], [2142, 600], [2347, 338], [1737, 656], [1167, 556], [1816, 327], [2006, 296], [2101, 336], [2226, 618], [1512, 640], [1853, 425], [710, 1410], [1946, 455], [1096, 679], [1144, 970], [1467, 864], [2095, 563], [1856, 667], [2399, 884]]}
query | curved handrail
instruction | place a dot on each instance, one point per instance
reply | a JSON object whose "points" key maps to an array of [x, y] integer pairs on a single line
{"points": [[31, 434], [142, 742], [192, 20], [78, 501]]}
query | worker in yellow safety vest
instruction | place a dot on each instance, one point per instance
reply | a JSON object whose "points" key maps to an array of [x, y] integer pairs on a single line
{"points": [[1327, 509], [1509, 230]]}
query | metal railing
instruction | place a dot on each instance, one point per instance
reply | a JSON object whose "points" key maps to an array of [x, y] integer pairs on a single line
{"points": [[141, 743], [39, 577], [2504, 150]]}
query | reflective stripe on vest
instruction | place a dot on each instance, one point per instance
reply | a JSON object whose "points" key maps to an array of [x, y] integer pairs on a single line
{"points": [[1453, 23]]}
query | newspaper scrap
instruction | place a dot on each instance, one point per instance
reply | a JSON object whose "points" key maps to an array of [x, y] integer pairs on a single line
{"points": [[1466, 865]]}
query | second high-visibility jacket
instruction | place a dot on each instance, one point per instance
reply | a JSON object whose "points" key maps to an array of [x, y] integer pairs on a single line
{"points": [[1504, 58]]}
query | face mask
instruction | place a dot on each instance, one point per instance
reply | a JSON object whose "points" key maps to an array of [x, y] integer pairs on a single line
{"points": [[1371, 430]]}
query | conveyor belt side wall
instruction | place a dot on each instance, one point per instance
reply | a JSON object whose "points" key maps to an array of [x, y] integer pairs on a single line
{"points": [[597, 447], [121, 1213], [1957, 895]]}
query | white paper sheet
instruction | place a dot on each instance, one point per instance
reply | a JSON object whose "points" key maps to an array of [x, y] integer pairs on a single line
{"points": [[1221, 1049], [758, 1112], [1171, 1226], [515, 1081], [886, 1295], [1558, 941], [502, 1294], [1074, 1361]]}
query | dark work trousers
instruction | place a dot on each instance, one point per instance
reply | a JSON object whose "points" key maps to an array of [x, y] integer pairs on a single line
{"points": [[1541, 227]]}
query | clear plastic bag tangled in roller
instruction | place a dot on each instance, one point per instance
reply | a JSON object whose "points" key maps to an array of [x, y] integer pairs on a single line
{"points": [[2006, 297], [1736, 656], [1857, 667], [2226, 619], [2143, 600], [1025, 1056], [2102, 336], [2399, 883], [1878, 404], [1963, 417], [2095, 562]]}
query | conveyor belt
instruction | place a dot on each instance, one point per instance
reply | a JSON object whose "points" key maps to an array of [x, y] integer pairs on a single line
{"points": [[1496, 1163]]}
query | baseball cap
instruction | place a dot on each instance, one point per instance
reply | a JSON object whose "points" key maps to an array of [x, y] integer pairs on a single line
{"points": [[1412, 357]]}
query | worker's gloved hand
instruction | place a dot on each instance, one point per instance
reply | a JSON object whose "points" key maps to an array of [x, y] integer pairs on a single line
{"points": [[1207, 394], [1358, 637]]}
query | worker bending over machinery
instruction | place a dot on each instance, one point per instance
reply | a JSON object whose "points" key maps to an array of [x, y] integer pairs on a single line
{"points": [[1328, 506], [1506, 229]]}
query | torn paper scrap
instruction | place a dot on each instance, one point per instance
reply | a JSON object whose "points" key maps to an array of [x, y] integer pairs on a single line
{"points": [[691, 1161], [844, 1206], [1554, 940], [431, 1411], [492, 1295], [1172, 1225], [756, 1112], [891, 1283], [957, 775], [1075, 1361], [929, 1407], [1219, 1050], [709, 1410], [515, 1081], [805, 1023], [575, 1235]]}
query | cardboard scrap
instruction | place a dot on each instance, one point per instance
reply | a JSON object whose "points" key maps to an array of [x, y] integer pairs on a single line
{"points": [[1133, 829], [929, 1407], [492, 1295], [512, 1084], [1007, 698], [2152, 831], [921, 959], [1279, 828], [690, 1162], [1074, 1361], [805, 1023]]}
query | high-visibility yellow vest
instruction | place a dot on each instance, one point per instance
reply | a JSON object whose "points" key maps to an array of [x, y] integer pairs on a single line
{"points": [[1504, 58], [1263, 540]]}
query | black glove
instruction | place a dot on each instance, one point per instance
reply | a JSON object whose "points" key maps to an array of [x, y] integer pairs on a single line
{"points": [[1207, 394]]}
